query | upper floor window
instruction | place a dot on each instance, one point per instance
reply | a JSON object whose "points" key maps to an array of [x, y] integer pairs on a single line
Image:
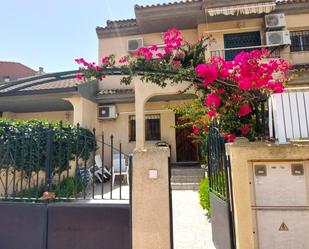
{"points": [[244, 41], [300, 40], [152, 128]]}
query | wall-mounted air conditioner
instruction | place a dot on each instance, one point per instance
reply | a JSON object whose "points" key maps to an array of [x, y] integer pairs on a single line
{"points": [[278, 38], [135, 44], [107, 112], [275, 21]]}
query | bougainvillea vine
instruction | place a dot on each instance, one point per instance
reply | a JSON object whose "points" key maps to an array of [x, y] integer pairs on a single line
{"points": [[228, 92]]}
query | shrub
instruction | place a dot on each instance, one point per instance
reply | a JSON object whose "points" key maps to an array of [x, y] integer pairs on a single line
{"points": [[26, 141], [204, 195], [69, 187]]}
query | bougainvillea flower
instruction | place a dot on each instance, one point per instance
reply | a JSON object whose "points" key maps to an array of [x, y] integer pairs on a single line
{"points": [[276, 87], [244, 110], [195, 129], [144, 52], [122, 60], [105, 60], [154, 48], [245, 129], [208, 72], [212, 113], [245, 84], [221, 91], [230, 138], [79, 76], [213, 99]]}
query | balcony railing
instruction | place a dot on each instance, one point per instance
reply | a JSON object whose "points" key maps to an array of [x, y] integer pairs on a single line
{"points": [[230, 53]]}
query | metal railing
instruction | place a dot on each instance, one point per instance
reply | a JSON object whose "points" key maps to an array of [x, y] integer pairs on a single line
{"points": [[60, 166], [230, 53]]}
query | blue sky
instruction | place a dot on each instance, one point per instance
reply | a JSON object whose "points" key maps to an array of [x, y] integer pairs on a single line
{"points": [[52, 33]]}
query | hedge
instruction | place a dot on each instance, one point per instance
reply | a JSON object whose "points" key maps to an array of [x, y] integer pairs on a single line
{"points": [[23, 144]]}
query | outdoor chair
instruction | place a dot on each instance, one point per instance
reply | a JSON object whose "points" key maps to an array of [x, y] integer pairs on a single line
{"points": [[101, 173], [86, 177], [124, 167]]}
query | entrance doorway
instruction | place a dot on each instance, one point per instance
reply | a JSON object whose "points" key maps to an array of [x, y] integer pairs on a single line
{"points": [[186, 149]]}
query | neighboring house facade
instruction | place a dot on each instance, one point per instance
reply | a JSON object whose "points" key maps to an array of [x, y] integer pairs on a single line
{"points": [[235, 26], [10, 71]]}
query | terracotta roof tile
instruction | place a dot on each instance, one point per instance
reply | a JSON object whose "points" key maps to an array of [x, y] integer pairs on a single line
{"points": [[291, 1], [166, 4], [54, 81], [119, 24], [60, 84], [15, 70], [116, 91]]}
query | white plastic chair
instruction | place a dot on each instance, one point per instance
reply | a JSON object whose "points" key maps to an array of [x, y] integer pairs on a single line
{"points": [[99, 168], [116, 167]]}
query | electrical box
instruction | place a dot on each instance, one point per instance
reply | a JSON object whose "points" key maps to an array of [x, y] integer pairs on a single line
{"points": [[282, 229], [280, 204], [280, 184]]}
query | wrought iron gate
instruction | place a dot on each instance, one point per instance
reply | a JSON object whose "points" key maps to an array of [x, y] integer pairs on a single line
{"points": [[55, 193], [221, 198]]}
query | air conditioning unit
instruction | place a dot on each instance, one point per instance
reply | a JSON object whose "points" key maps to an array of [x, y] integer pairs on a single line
{"points": [[135, 44], [107, 112], [278, 38], [275, 21]]}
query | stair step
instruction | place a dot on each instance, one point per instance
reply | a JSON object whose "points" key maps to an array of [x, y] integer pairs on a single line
{"points": [[185, 186], [185, 179], [188, 172]]}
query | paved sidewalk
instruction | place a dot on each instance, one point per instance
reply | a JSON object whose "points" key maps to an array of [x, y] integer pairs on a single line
{"points": [[192, 229]]}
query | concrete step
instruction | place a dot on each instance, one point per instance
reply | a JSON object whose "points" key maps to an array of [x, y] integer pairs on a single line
{"points": [[185, 186], [186, 179], [188, 172]]}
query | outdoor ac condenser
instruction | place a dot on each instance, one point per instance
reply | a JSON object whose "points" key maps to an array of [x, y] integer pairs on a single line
{"points": [[135, 44], [275, 21], [107, 112], [278, 38]]}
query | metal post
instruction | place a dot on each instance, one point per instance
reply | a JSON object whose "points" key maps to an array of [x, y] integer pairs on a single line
{"points": [[112, 174], [102, 151], [93, 162], [120, 164], [49, 157]]}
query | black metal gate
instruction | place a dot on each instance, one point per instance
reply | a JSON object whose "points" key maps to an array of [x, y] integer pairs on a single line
{"points": [[58, 190], [221, 198]]}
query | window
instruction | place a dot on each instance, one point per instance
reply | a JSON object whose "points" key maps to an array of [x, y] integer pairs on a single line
{"points": [[152, 128], [240, 40], [300, 41]]}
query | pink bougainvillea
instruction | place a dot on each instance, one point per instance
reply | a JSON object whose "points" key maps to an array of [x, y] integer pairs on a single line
{"points": [[244, 110], [229, 91], [213, 100], [245, 129], [209, 72], [79, 76]]}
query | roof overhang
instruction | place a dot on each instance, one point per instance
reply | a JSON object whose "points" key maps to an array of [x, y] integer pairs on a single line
{"points": [[130, 98], [36, 103]]}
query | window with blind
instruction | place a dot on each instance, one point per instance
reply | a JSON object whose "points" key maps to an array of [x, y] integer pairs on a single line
{"points": [[300, 41], [152, 128]]}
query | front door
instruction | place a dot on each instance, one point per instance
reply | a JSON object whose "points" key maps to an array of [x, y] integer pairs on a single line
{"points": [[240, 40], [186, 150]]}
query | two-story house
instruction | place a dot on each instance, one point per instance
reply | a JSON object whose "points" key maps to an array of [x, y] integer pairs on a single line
{"points": [[108, 106]]}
